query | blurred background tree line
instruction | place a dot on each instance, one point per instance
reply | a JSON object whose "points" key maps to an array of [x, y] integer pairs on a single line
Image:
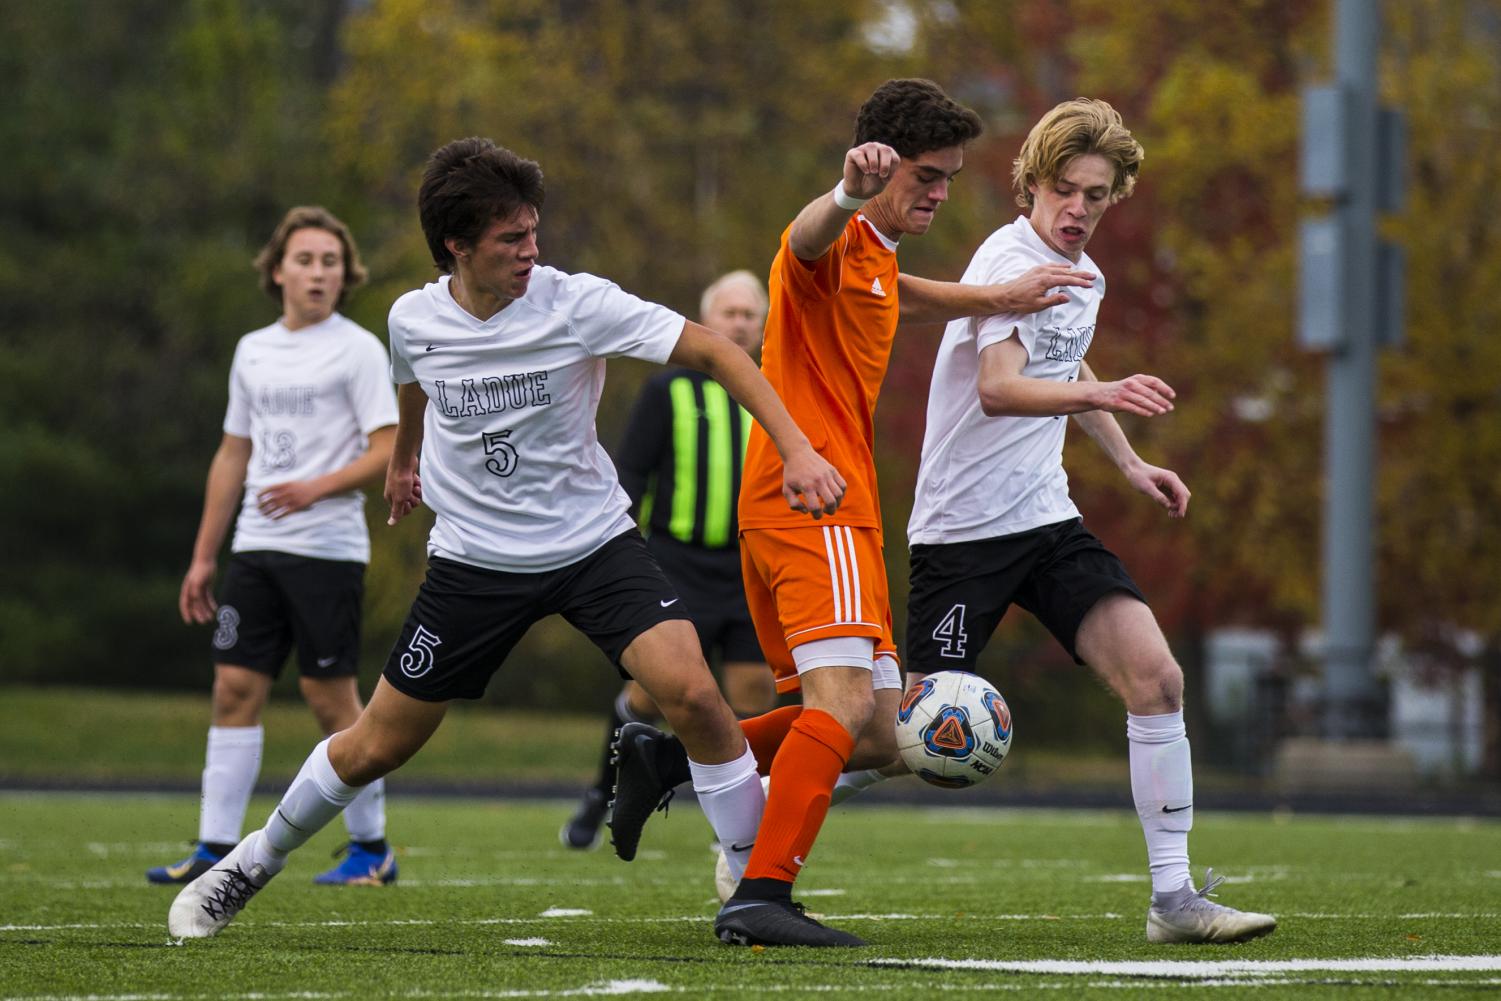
{"points": [[151, 147]]}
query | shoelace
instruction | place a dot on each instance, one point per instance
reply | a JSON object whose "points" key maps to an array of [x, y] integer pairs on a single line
{"points": [[231, 895], [1201, 896], [666, 799]]}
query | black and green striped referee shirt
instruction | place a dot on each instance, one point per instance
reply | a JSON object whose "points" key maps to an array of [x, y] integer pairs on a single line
{"points": [[681, 457]]}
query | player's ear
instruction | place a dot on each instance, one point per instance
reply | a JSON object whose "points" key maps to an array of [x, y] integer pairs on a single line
{"points": [[457, 246]]}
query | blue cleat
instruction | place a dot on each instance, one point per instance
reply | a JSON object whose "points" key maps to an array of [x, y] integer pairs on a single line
{"points": [[360, 868], [189, 869]]}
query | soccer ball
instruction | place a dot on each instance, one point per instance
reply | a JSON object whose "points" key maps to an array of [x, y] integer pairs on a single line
{"points": [[953, 729]]}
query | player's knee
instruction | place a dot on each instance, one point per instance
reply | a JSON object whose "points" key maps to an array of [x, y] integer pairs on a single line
{"points": [[696, 698], [334, 706], [1157, 686], [236, 701], [360, 763]]}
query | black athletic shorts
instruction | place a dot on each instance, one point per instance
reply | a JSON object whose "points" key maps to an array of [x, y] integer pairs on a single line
{"points": [[467, 619], [269, 601], [960, 590], [714, 592]]}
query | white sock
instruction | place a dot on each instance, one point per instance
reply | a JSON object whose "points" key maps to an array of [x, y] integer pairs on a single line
{"points": [[851, 783], [230, 767], [732, 797], [366, 816], [1162, 785], [315, 797]]}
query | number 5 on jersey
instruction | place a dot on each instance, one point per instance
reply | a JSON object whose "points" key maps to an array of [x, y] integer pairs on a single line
{"points": [[505, 457]]}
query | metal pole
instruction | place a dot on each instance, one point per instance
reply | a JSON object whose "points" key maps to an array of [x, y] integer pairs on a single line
{"points": [[1349, 577]]}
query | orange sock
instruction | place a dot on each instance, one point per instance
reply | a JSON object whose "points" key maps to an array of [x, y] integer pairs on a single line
{"points": [[766, 732], [803, 776]]}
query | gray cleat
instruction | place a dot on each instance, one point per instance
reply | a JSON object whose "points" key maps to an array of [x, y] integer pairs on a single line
{"points": [[1188, 915]]}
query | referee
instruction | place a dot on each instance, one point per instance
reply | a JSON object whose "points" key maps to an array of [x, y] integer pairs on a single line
{"points": [[680, 462]]}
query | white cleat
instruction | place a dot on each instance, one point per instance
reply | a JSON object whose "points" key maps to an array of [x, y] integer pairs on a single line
{"points": [[724, 883], [1188, 915], [211, 901]]}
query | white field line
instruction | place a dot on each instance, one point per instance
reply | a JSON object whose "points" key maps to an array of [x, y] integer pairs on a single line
{"points": [[619, 988], [579, 915], [1212, 968]]}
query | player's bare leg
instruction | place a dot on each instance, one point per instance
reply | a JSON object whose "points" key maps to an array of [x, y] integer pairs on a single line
{"points": [[667, 662], [1121, 640]]}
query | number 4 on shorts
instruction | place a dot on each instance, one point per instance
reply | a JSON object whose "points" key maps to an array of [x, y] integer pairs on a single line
{"points": [[951, 635]]}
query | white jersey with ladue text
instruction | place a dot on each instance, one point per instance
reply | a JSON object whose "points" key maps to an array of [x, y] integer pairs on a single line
{"points": [[985, 477], [307, 399], [511, 464]]}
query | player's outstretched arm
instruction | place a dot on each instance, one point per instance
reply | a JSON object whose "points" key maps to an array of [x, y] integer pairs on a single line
{"points": [[922, 300], [281, 499], [403, 484], [221, 498], [867, 168], [1005, 392], [809, 482], [1162, 485]]}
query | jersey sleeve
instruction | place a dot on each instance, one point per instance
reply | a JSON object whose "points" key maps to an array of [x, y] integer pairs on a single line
{"points": [[640, 450], [401, 369], [370, 392], [994, 329], [237, 413], [612, 323], [812, 280]]}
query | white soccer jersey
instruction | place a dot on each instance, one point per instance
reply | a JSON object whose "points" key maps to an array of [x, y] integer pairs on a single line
{"points": [[983, 477], [307, 399], [511, 465]]}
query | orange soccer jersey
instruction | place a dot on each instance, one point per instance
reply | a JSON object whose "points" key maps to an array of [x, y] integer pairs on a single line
{"points": [[828, 341]]}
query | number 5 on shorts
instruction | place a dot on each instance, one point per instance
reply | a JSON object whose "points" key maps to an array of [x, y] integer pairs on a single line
{"points": [[420, 655]]}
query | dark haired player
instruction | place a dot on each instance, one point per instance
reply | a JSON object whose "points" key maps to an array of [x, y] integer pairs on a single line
{"points": [[500, 364]]}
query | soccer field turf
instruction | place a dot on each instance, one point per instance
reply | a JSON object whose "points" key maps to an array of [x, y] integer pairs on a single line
{"points": [[955, 903]]}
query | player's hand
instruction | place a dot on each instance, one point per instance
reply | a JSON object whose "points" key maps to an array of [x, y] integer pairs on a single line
{"points": [[811, 484], [1143, 395], [1162, 485], [867, 169], [281, 499], [403, 492], [1034, 290], [195, 599]]}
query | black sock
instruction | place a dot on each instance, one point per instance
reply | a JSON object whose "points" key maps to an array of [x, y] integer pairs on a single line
{"points": [[764, 888], [377, 847], [672, 762]]}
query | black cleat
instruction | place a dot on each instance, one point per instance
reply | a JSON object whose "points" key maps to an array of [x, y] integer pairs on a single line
{"points": [[649, 765], [776, 922], [582, 830]]}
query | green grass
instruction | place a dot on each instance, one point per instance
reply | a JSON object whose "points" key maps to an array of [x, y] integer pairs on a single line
{"points": [[77, 919]]}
